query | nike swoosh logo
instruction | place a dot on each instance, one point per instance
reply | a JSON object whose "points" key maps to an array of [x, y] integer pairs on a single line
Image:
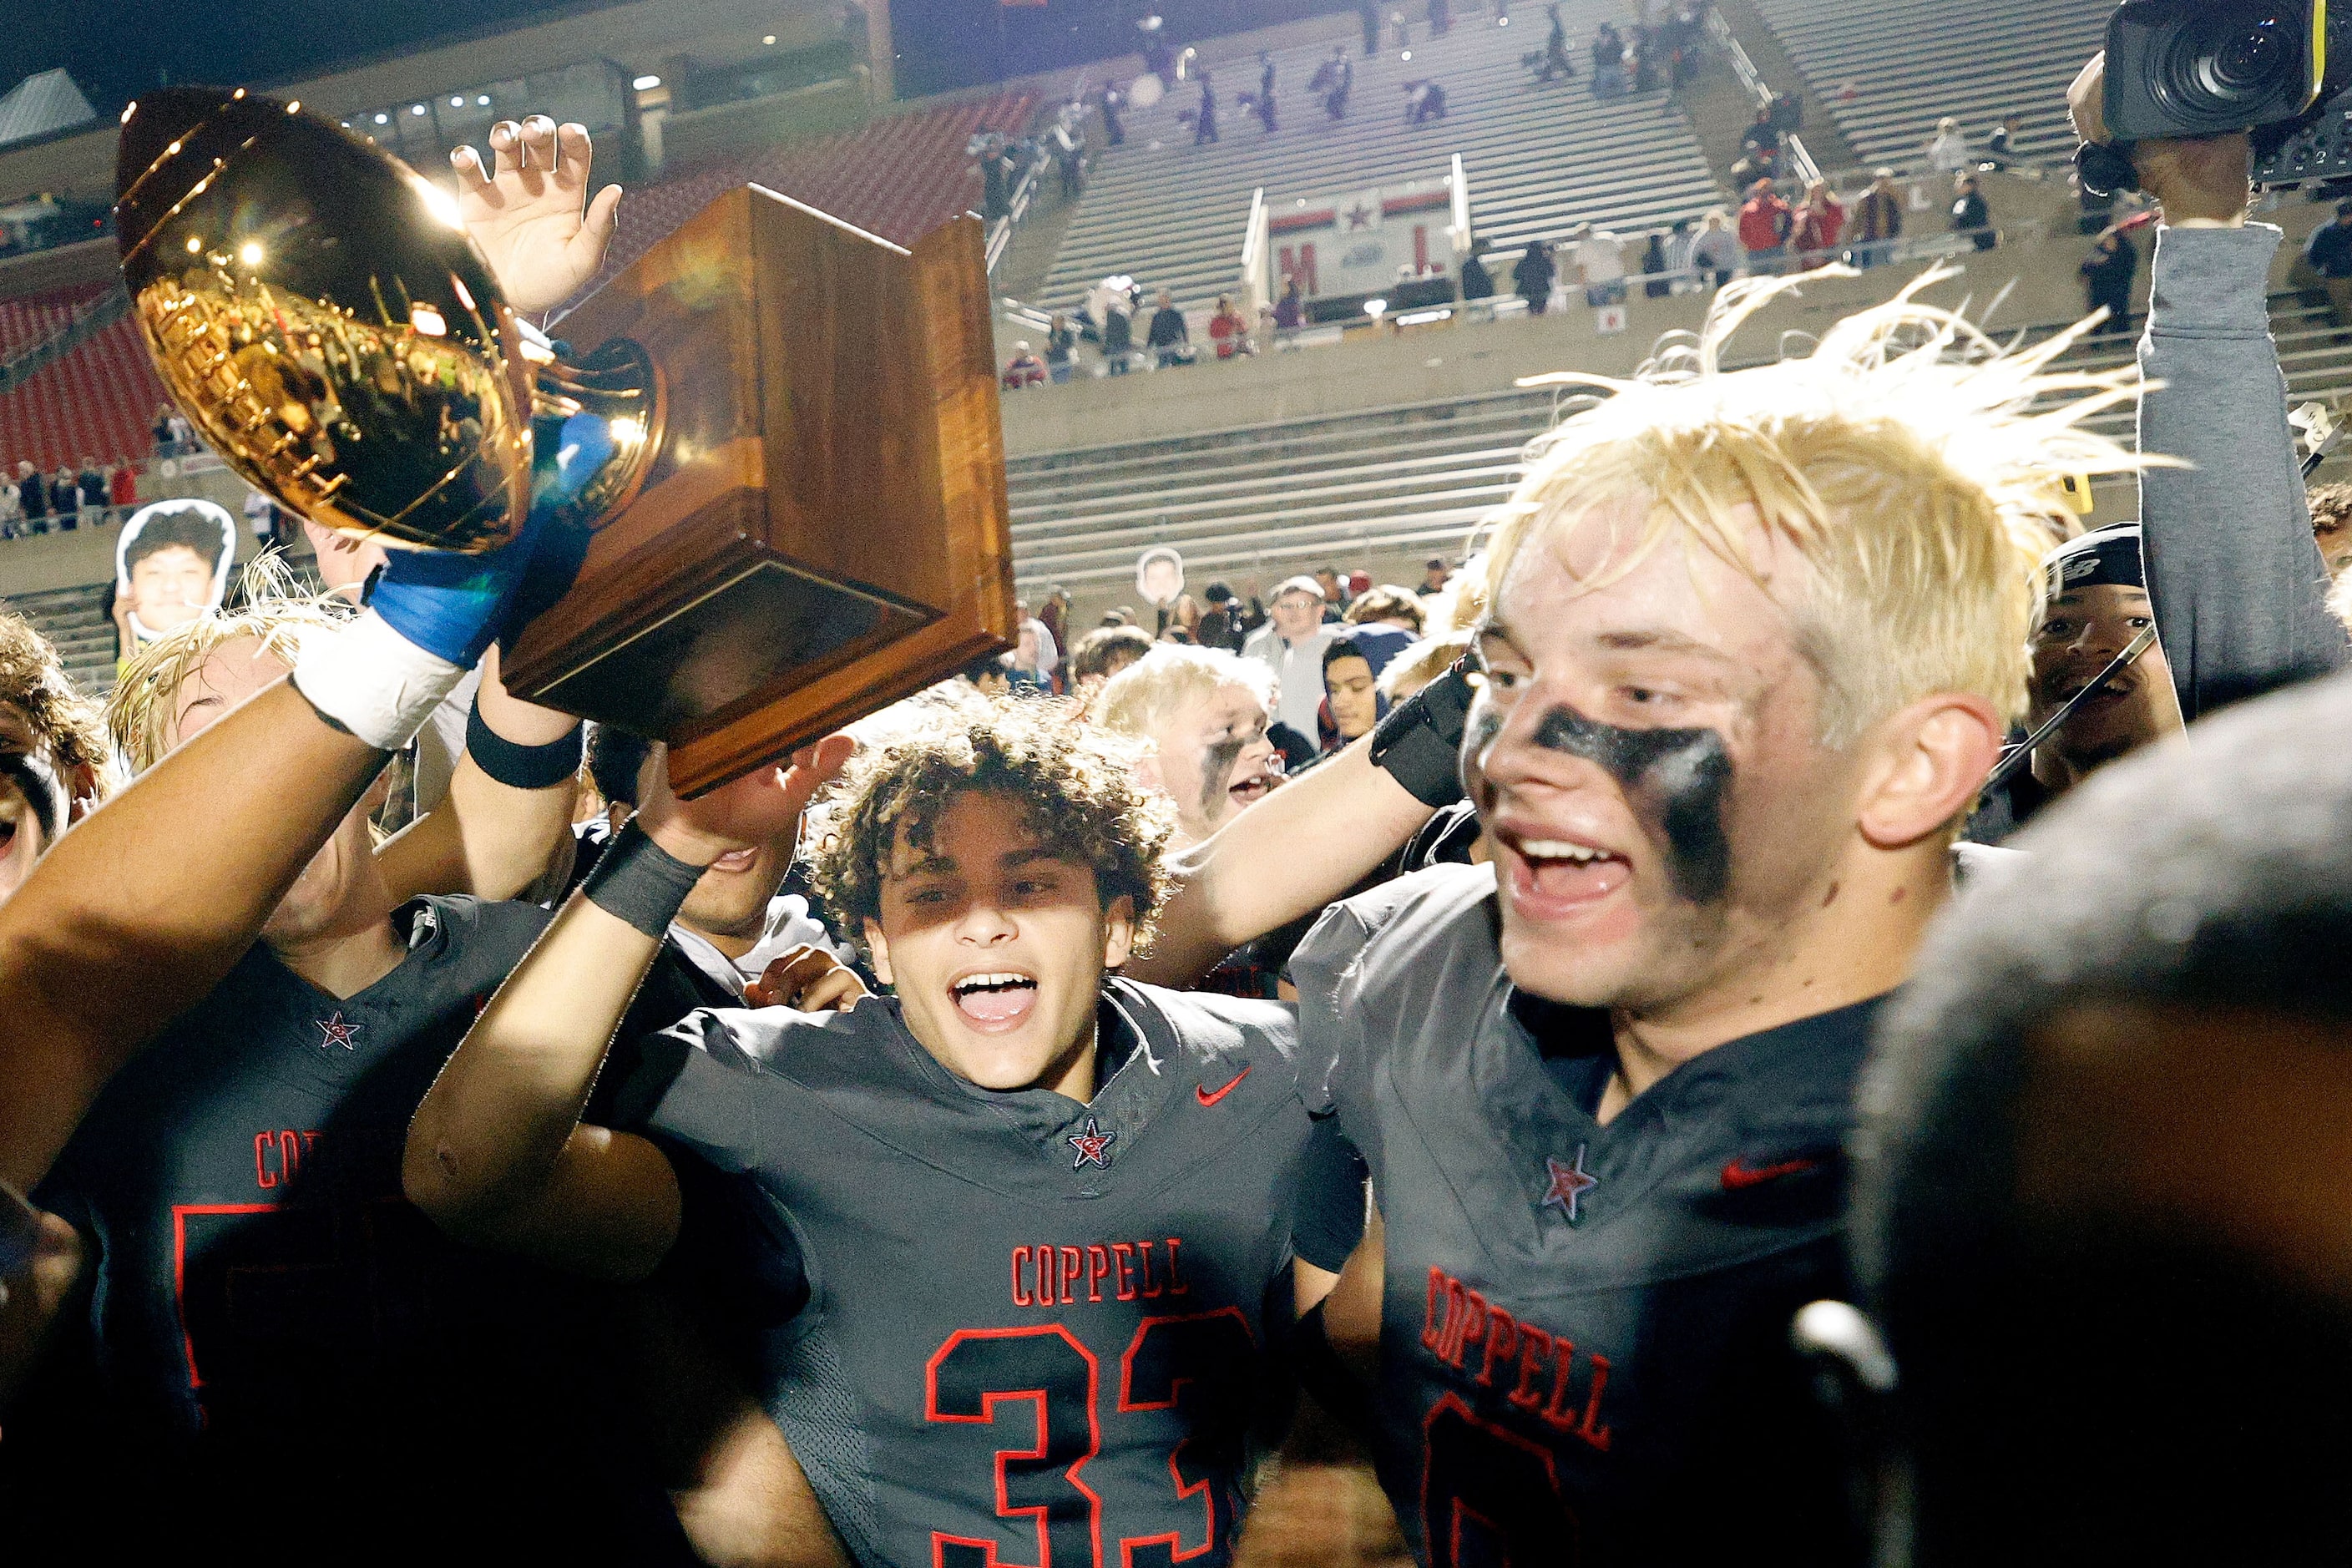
{"points": [[1207, 1098], [1739, 1175]]}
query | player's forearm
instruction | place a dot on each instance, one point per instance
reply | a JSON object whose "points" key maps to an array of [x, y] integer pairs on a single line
{"points": [[120, 928], [484, 1145], [508, 806], [1294, 851]]}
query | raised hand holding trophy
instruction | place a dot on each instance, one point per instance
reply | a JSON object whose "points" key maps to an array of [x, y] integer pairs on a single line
{"points": [[770, 494]]}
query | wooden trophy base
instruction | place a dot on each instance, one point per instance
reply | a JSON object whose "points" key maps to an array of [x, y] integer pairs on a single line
{"points": [[822, 528]]}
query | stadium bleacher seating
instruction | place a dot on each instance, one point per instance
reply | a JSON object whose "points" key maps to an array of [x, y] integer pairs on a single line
{"points": [[899, 178], [1539, 159], [74, 620], [1276, 499], [97, 399], [30, 320], [1910, 62]]}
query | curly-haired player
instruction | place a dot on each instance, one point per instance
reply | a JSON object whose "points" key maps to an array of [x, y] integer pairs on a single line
{"points": [[1014, 1227], [53, 749]]}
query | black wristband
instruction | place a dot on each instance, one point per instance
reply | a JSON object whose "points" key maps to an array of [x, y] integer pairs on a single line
{"points": [[1420, 743], [519, 766], [639, 881]]}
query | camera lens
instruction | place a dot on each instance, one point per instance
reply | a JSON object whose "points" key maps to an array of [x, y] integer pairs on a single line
{"points": [[2244, 63], [2224, 65]]}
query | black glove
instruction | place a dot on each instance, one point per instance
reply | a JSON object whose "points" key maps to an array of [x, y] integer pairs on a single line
{"points": [[1420, 743]]}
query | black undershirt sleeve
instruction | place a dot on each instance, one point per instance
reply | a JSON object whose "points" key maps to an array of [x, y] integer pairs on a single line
{"points": [[1328, 1220]]}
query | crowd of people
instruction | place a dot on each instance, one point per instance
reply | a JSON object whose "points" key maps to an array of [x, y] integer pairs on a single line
{"points": [[33, 502], [1770, 1003]]}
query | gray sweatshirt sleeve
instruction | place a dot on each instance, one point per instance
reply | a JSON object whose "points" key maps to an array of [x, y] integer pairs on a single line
{"points": [[2237, 586]]}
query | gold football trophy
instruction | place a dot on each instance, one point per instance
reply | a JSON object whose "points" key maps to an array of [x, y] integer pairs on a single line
{"points": [[771, 487]]}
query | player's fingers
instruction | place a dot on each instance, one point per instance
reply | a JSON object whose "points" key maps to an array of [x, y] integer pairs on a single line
{"points": [[837, 992], [572, 153], [473, 180], [602, 213], [506, 146], [538, 144]]}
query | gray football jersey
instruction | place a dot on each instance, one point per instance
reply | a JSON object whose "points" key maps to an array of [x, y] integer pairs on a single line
{"points": [[1033, 1332], [1584, 1352]]}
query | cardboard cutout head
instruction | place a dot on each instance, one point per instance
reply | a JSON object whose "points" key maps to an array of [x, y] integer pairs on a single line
{"points": [[172, 564]]}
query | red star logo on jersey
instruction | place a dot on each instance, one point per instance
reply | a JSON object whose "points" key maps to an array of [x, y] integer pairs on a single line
{"points": [[1569, 1184], [1092, 1146], [336, 1032]]}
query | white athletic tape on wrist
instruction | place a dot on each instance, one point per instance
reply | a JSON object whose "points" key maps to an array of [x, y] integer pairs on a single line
{"points": [[373, 682]]}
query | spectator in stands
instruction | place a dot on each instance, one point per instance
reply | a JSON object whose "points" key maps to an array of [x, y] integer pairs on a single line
{"points": [[1227, 329], [1970, 213], [1351, 700], [1608, 62], [33, 498], [1264, 104], [1205, 118], [1554, 61], [2001, 147], [1403, 29], [1440, 18], [1054, 614], [1424, 100], [990, 675], [1435, 576], [2329, 253], [1337, 591], [1878, 220], [1947, 153], [1292, 647], [1715, 251], [1343, 82], [1108, 104], [1168, 336], [1654, 268], [1104, 652], [1761, 137], [2108, 275], [1476, 282], [65, 498], [1369, 16], [1117, 337], [1061, 349], [122, 489], [1240, 617], [1385, 621], [1290, 311], [1819, 225], [260, 520], [90, 483], [1533, 275], [166, 444], [1599, 260], [1024, 368], [11, 510], [1764, 221]]}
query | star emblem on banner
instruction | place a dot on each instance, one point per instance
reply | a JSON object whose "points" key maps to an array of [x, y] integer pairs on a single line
{"points": [[335, 1032], [1359, 216], [1569, 1184], [1092, 1146]]}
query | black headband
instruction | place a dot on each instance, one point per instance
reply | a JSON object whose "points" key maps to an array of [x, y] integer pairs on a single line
{"points": [[2106, 555]]}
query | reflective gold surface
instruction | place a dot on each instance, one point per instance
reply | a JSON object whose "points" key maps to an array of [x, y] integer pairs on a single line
{"points": [[315, 309]]}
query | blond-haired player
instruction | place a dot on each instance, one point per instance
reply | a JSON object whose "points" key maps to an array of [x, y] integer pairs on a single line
{"points": [[1202, 713], [1753, 640]]}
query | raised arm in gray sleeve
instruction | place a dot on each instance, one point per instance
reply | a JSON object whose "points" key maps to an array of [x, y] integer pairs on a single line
{"points": [[2237, 586]]}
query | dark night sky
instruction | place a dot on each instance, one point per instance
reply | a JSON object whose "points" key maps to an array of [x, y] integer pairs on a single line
{"points": [[117, 50]]}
